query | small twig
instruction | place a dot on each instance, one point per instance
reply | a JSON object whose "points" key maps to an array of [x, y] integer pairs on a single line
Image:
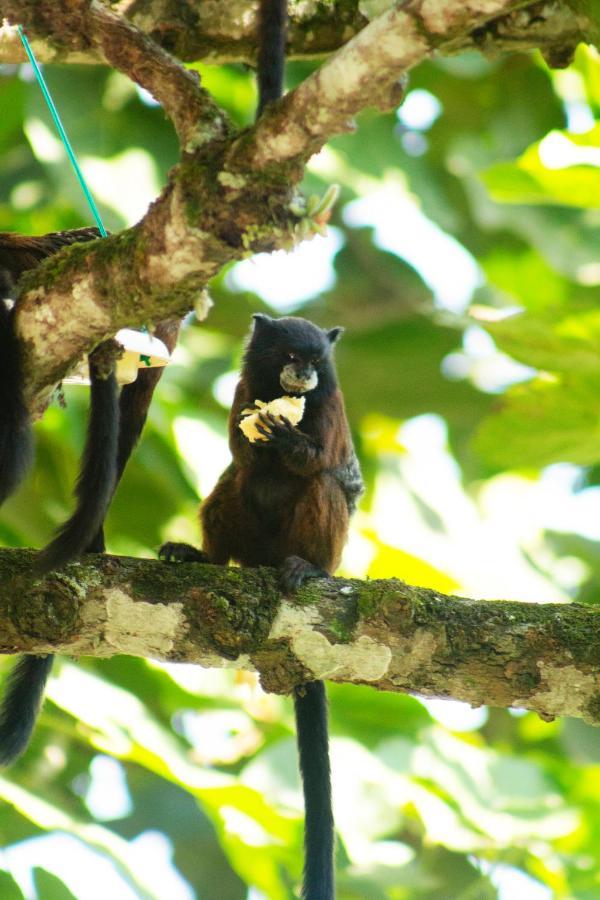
{"points": [[194, 114]]}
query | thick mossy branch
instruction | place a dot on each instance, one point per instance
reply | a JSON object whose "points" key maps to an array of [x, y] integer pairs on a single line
{"points": [[156, 270], [544, 657]]}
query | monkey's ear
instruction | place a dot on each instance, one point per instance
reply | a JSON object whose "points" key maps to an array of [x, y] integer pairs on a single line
{"points": [[334, 333], [262, 321]]}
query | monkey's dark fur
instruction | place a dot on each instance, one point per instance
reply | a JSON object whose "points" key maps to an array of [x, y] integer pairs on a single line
{"points": [[16, 446], [284, 494], [18, 254], [272, 20], [114, 427], [286, 502]]}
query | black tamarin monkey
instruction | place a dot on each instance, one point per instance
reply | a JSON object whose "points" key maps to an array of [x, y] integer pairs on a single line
{"points": [[114, 427], [285, 501]]}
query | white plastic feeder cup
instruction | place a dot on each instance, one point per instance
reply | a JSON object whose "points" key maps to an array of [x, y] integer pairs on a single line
{"points": [[141, 351]]}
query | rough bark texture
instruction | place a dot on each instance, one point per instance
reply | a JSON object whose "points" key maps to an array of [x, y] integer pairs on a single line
{"points": [[231, 194], [217, 32], [544, 657]]}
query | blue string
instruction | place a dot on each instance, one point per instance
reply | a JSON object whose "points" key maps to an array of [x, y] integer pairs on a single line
{"points": [[63, 135], [67, 145]]}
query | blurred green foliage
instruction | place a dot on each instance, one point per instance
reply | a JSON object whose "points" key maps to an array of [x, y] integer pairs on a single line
{"points": [[452, 434]]}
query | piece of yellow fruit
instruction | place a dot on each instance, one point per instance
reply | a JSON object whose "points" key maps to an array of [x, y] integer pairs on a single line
{"points": [[290, 408]]}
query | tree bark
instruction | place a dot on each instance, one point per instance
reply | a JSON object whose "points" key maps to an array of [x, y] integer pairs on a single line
{"points": [[216, 33], [387, 634]]}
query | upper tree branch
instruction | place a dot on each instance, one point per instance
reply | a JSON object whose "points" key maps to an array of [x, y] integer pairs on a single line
{"points": [[226, 32], [544, 657], [366, 71], [125, 47]]}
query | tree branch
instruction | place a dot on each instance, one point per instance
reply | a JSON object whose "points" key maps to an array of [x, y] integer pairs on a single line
{"points": [[543, 657], [176, 88], [221, 33], [212, 32], [367, 70]]}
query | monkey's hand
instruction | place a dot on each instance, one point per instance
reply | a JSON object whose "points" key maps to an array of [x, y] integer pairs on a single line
{"points": [[298, 451], [278, 431], [174, 552]]}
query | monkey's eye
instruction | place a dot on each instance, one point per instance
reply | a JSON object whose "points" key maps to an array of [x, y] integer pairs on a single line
{"points": [[292, 357]]}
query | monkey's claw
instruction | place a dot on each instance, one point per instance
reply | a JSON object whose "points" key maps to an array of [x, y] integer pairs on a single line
{"points": [[295, 571]]}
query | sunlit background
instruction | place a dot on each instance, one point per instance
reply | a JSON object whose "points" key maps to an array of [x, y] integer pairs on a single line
{"points": [[463, 261]]}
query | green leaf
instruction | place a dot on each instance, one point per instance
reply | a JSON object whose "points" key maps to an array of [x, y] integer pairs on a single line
{"points": [[570, 344], [530, 180], [527, 278], [504, 798], [50, 887], [574, 186], [543, 422], [587, 63], [9, 889], [49, 817], [392, 562]]}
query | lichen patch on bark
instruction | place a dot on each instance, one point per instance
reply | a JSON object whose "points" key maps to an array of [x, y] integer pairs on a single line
{"points": [[139, 628], [413, 653], [568, 690], [363, 659]]}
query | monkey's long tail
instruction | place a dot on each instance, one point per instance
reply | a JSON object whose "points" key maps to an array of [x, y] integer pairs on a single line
{"points": [[134, 404], [16, 445], [273, 18], [310, 703], [82, 532], [96, 481], [21, 703]]}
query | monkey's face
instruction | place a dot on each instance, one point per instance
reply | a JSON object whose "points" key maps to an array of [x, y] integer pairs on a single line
{"points": [[298, 375], [289, 354]]}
